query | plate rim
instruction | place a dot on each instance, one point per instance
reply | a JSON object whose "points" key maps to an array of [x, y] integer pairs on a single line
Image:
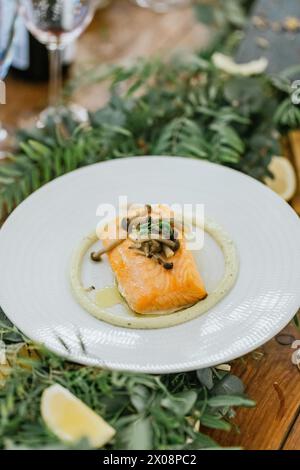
{"points": [[139, 158]]}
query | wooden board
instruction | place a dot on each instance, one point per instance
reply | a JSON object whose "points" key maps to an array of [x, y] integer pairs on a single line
{"points": [[294, 155], [274, 382], [293, 440]]}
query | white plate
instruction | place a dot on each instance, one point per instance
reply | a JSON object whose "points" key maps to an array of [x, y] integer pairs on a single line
{"points": [[37, 241]]}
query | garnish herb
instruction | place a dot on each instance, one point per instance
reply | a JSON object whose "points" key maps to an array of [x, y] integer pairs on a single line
{"points": [[151, 236]]}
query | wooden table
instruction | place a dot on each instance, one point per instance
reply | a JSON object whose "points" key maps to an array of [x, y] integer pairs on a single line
{"points": [[121, 33]]}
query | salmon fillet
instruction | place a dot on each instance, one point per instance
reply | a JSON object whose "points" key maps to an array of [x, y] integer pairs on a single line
{"points": [[149, 288]]}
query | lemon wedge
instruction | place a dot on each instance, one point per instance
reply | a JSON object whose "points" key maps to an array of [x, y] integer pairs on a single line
{"points": [[227, 64], [71, 420], [285, 181]]}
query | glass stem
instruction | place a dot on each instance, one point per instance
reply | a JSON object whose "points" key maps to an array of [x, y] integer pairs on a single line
{"points": [[3, 133], [55, 67]]}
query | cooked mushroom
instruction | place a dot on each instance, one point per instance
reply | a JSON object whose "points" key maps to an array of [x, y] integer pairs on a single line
{"points": [[152, 236], [168, 252], [125, 223], [136, 245], [147, 249], [168, 243], [96, 256], [155, 246], [134, 222], [161, 261]]}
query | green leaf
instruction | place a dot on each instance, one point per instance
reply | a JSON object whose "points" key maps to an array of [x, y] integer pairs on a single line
{"points": [[10, 171], [58, 167], [39, 148], [205, 13], [66, 159], [227, 400], [137, 436], [287, 115], [281, 83], [235, 13], [30, 152], [229, 137], [6, 180], [205, 377], [35, 179], [229, 385], [297, 321], [202, 441], [140, 398], [215, 422], [108, 116], [181, 403], [118, 130], [245, 94]]}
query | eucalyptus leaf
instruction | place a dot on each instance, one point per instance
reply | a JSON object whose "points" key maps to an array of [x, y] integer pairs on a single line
{"points": [[202, 441], [140, 398], [181, 403], [244, 93], [229, 385], [108, 116], [235, 13], [215, 422], [297, 320], [4, 320], [10, 171], [137, 436], [228, 400], [6, 180], [205, 13], [205, 377]]}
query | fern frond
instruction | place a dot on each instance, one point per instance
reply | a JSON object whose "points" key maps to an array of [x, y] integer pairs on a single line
{"points": [[182, 137], [287, 115]]}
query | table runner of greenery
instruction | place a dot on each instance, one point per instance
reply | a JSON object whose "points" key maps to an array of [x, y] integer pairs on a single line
{"points": [[183, 107]]}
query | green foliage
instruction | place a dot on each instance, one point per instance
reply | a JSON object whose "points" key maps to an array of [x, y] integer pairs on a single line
{"points": [[148, 411], [41, 158], [223, 14], [287, 115], [226, 20], [296, 320]]}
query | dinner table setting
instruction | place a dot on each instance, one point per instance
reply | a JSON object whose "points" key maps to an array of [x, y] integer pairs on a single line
{"points": [[149, 227]]}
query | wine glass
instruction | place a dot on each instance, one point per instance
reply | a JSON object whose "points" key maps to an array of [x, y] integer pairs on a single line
{"points": [[57, 23], [8, 20]]}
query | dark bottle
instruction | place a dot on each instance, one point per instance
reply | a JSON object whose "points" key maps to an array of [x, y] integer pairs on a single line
{"points": [[31, 60]]}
